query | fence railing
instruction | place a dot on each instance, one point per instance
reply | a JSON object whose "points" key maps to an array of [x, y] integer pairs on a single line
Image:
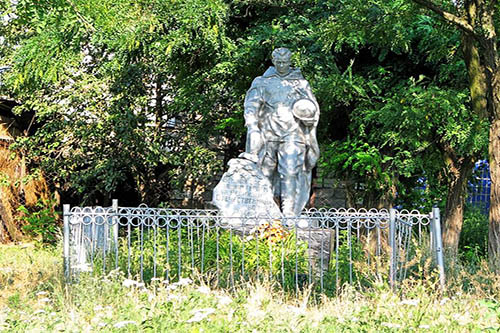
{"points": [[323, 248], [479, 187]]}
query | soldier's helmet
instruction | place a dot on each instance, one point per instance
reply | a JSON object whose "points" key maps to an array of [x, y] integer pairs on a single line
{"points": [[305, 110]]}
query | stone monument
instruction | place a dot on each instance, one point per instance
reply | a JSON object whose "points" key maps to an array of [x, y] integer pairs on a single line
{"points": [[274, 173], [244, 191]]}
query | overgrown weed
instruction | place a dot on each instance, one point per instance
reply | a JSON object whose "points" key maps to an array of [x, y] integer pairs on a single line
{"points": [[38, 300]]}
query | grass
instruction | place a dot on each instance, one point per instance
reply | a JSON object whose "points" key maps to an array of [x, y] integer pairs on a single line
{"points": [[34, 298]]}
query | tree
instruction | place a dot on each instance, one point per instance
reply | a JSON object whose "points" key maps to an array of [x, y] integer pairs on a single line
{"points": [[397, 27], [127, 94], [477, 21]]}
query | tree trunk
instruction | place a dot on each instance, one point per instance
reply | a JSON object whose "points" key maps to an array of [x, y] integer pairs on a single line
{"points": [[492, 62], [455, 201], [477, 77], [479, 97], [11, 230], [350, 194], [494, 160]]}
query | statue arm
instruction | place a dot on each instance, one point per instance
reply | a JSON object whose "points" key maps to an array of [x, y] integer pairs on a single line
{"points": [[253, 104]]}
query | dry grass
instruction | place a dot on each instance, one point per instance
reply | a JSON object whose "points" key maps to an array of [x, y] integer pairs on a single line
{"points": [[34, 298], [16, 187], [25, 269]]}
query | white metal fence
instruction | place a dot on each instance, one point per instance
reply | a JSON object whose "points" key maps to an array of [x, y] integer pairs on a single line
{"points": [[326, 248]]}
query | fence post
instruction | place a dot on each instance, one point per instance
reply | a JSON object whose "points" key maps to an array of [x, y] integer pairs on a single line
{"points": [[114, 206], [393, 246], [438, 244], [66, 235]]}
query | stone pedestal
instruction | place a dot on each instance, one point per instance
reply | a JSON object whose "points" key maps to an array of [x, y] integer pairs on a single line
{"points": [[319, 245], [244, 191]]}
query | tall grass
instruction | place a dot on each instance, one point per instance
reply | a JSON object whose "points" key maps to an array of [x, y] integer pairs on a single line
{"points": [[33, 297], [224, 258]]}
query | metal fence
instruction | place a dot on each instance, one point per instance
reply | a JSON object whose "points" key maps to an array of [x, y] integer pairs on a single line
{"points": [[322, 248], [479, 187]]}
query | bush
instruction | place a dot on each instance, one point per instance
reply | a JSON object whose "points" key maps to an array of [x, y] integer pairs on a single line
{"points": [[222, 256], [473, 245], [227, 258], [41, 221]]}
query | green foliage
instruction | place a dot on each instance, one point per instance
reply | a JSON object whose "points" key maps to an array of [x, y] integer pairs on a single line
{"points": [[108, 79], [41, 221], [473, 245], [361, 161], [356, 23], [223, 256], [347, 265], [407, 100], [228, 258]]}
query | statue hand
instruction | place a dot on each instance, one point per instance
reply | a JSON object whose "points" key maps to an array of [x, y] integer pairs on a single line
{"points": [[312, 157], [255, 142]]}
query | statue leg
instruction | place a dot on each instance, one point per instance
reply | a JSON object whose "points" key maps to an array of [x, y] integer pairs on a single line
{"points": [[288, 192], [290, 163], [268, 166]]}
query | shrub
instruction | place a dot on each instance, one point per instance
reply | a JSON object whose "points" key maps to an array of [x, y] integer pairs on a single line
{"points": [[41, 221], [473, 245]]}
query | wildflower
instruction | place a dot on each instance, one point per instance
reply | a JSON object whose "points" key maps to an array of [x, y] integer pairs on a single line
{"points": [[391, 325], [172, 287], [172, 297], [272, 231], [59, 327], [131, 283], [128, 283], [444, 301], [224, 300], [72, 315], [184, 281], [462, 318], [230, 315], [124, 323], [203, 290], [296, 310], [200, 314], [41, 293], [410, 302]]}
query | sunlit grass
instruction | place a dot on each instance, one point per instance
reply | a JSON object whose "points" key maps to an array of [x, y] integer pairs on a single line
{"points": [[33, 297]]}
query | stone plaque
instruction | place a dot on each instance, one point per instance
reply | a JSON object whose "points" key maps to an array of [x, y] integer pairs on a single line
{"points": [[244, 191]]}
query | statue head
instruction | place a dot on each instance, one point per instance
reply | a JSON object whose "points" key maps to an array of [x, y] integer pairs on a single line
{"points": [[281, 60]]}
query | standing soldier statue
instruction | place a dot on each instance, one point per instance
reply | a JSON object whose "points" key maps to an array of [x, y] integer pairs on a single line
{"points": [[281, 116]]}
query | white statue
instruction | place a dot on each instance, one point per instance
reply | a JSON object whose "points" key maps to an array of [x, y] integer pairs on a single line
{"points": [[281, 116]]}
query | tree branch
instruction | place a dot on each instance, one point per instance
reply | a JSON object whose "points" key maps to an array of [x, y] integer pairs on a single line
{"points": [[80, 16], [449, 17]]}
